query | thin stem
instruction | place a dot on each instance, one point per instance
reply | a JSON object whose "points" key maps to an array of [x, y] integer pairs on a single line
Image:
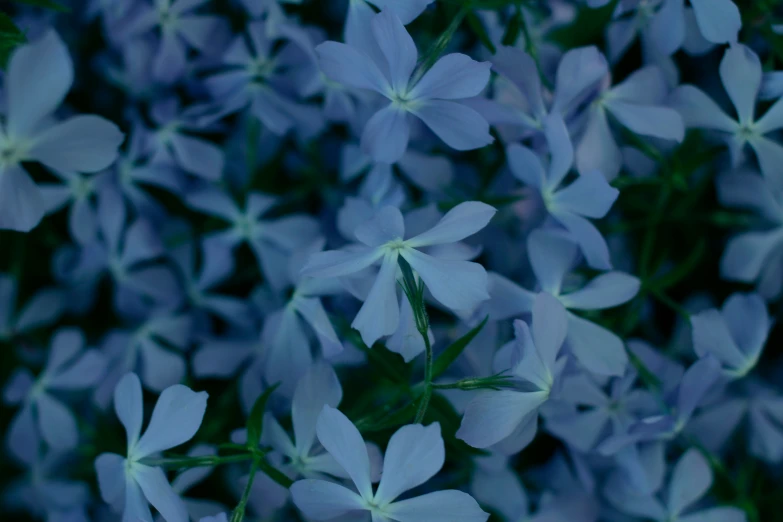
{"points": [[274, 473], [239, 513], [425, 399], [196, 462], [440, 44]]}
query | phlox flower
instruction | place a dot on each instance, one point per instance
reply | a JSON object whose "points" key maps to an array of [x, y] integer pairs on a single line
{"points": [[304, 457], [288, 354], [127, 483], [40, 310], [453, 77], [457, 284], [359, 19], [758, 408], [78, 192], [272, 240], [69, 368], [217, 265], [638, 105], [754, 256], [735, 335], [509, 418], [552, 256], [590, 412], [690, 480], [740, 72], [589, 196], [38, 78], [179, 28], [414, 455]]}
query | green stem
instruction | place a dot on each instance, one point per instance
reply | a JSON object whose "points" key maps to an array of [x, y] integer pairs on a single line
{"points": [[440, 44], [197, 462], [274, 473], [239, 513]]}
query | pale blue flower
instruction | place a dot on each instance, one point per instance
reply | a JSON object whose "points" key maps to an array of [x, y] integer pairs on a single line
{"points": [[690, 480], [453, 77], [69, 368], [382, 240], [740, 72], [38, 78], [508, 419], [589, 196], [414, 455], [42, 309], [126, 482], [552, 256], [754, 256], [735, 335], [271, 240]]}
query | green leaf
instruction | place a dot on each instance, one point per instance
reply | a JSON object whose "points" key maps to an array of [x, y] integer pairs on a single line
{"points": [[451, 353], [255, 422], [394, 419], [46, 4], [10, 38], [480, 31], [514, 28], [684, 268]]}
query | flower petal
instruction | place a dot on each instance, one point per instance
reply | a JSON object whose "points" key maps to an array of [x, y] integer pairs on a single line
{"points": [[380, 314], [740, 71], [110, 470], [605, 291], [318, 387], [690, 480], [57, 423], [414, 455], [387, 225], [342, 440], [458, 285], [459, 126], [552, 255], [336, 263], [460, 222], [351, 67], [591, 242], [39, 76], [598, 349], [159, 493], [129, 406], [84, 143], [453, 77], [649, 120], [698, 110], [590, 195], [492, 416], [719, 20], [441, 506], [175, 419], [22, 205], [397, 47], [322, 500]]}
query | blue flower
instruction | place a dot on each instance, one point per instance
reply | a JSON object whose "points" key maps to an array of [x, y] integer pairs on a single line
{"points": [[38, 78], [755, 255], [127, 483], [414, 455], [589, 196], [552, 256], [453, 77], [509, 418], [382, 240], [740, 72]]}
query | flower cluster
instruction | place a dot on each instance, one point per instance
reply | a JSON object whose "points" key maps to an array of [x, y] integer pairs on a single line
{"points": [[391, 260]]}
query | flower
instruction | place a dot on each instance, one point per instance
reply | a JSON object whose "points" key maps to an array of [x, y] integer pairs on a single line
{"points": [[740, 72], [388, 72], [414, 455], [69, 368], [755, 255], [552, 255], [457, 284], [589, 196], [509, 418], [690, 480], [735, 335], [38, 78], [127, 482]]}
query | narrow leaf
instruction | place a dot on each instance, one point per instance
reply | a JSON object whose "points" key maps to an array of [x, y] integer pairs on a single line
{"points": [[10, 38], [255, 422], [451, 353], [480, 31]]}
